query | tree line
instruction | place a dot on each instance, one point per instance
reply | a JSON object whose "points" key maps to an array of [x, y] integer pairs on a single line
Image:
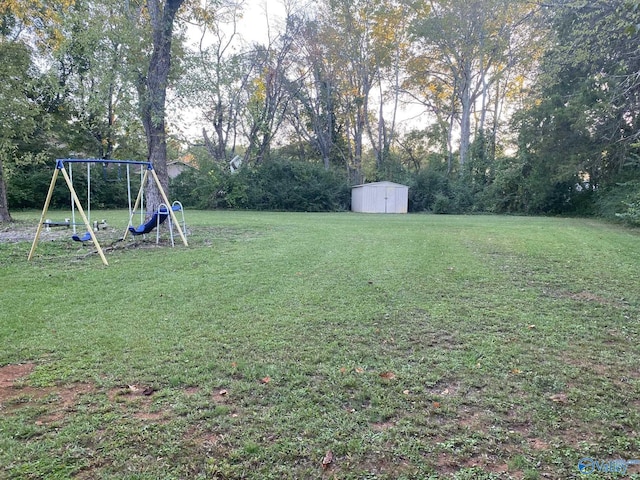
{"points": [[520, 106]]}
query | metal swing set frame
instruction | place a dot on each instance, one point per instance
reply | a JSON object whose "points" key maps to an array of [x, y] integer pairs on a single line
{"points": [[60, 167]]}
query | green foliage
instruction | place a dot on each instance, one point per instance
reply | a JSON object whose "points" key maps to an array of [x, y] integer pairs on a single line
{"points": [[297, 186], [578, 132], [631, 213], [428, 184], [620, 199], [30, 182], [274, 185]]}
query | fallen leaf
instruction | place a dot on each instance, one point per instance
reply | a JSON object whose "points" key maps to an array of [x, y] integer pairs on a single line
{"points": [[141, 390], [343, 370], [445, 392], [148, 391], [388, 375], [222, 392], [234, 364], [266, 379], [559, 398], [327, 460], [406, 392], [531, 327], [436, 404], [516, 371], [359, 370]]}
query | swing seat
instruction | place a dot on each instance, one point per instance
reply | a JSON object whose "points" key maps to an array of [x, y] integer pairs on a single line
{"points": [[85, 237], [158, 218]]}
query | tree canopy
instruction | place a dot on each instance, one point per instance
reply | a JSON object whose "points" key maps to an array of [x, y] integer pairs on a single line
{"points": [[478, 105]]}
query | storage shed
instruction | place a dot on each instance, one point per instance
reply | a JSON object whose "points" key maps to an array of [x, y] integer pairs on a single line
{"points": [[380, 197]]}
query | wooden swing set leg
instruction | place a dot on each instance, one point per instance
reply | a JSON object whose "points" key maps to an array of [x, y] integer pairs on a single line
{"points": [[78, 206], [44, 213], [76, 200], [171, 212]]}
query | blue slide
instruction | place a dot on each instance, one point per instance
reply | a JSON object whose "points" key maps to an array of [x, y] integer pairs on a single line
{"points": [[156, 219]]}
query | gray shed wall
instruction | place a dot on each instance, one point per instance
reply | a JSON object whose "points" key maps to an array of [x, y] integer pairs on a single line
{"points": [[380, 197]]}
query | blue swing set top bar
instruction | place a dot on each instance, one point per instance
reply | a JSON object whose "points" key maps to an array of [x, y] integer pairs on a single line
{"points": [[61, 161]]}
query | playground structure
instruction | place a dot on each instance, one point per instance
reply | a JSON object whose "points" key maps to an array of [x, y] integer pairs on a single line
{"points": [[159, 216]]}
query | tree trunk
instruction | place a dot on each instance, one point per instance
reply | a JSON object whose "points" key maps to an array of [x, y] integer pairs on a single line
{"points": [[4, 208], [152, 105], [465, 125]]}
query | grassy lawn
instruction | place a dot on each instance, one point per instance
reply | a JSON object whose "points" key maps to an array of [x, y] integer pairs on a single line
{"points": [[409, 346]]}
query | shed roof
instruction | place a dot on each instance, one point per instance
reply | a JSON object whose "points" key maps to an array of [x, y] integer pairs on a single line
{"points": [[380, 184]]}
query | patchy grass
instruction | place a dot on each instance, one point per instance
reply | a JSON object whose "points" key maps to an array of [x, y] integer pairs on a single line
{"points": [[408, 346]]}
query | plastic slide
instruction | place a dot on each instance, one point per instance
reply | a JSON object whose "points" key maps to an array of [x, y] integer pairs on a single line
{"points": [[85, 237], [156, 219]]}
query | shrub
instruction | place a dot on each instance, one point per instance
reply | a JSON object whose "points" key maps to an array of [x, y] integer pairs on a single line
{"points": [[274, 185]]}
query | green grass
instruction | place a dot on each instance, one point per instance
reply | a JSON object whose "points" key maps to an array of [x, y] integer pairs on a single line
{"points": [[410, 346]]}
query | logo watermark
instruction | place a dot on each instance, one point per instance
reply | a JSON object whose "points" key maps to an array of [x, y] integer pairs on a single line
{"points": [[588, 465]]}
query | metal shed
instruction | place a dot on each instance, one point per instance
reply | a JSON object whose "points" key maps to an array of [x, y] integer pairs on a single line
{"points": [[380, 197]]}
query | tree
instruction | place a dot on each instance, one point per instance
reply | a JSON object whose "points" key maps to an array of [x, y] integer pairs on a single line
{"points": [[465, 47], [93, 66], [215, 80], [347, 27], [389, 43], [581, 127], [152, 88], [269, 92], [16, 109], [313, 111]]}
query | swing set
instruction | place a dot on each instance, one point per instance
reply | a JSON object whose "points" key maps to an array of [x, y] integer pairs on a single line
{"points": [[160, 215]]}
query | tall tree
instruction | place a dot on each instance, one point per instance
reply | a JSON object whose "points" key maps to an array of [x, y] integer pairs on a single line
{"points": [[216, 80], [348, 30], [581, 125], [312, 114], [93, 70], [269, 92], [17, 115], [465, 48], [152, 88], [18, 108], [389, 47]]}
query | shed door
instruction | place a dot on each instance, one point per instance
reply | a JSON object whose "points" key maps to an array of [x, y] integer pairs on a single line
{"points": [[390, 199]]}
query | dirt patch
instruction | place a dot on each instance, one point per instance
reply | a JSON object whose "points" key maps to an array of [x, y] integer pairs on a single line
{"points": [[473, 419], [382, 426], [58, 399], [149, 416], [538, 444], [593, 366], [9, 374], [585, 296], [443, 389], [220, 396]]}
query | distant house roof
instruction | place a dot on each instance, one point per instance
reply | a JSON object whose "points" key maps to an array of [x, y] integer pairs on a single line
{"points": [[176, 167]]}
